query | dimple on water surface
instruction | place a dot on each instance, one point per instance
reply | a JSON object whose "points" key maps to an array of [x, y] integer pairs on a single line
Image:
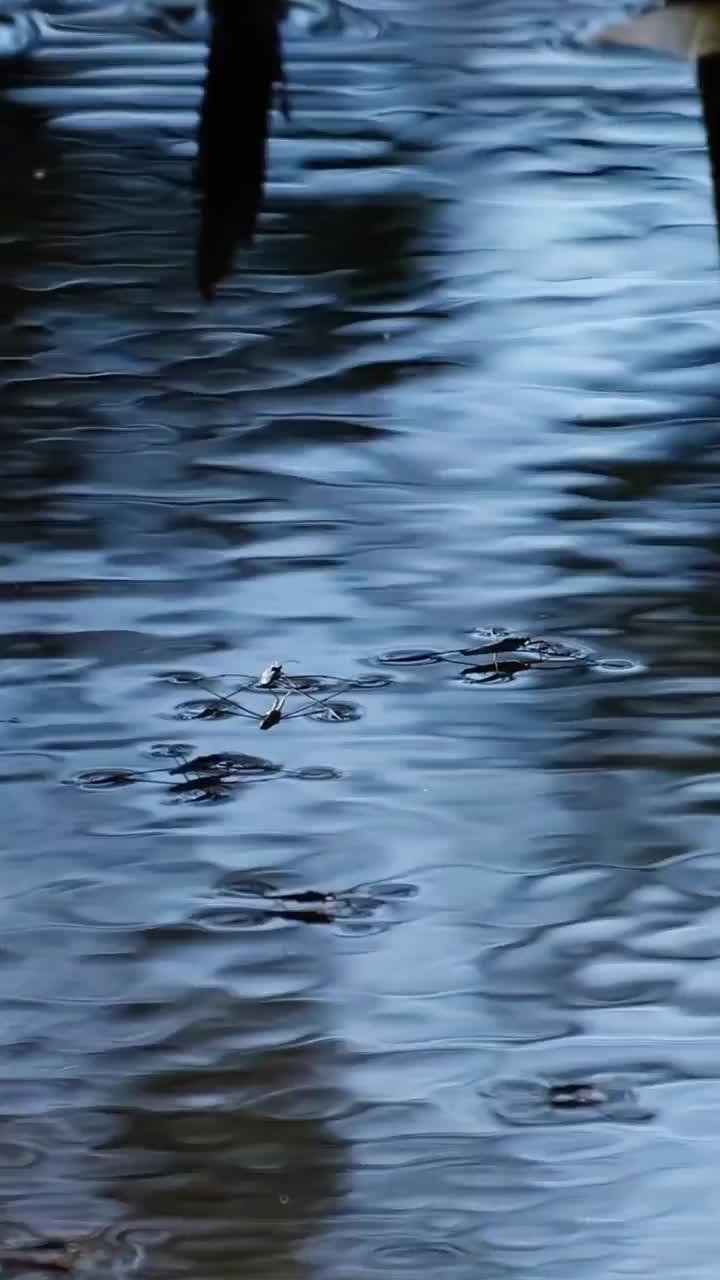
{"points": [[426, 979]]}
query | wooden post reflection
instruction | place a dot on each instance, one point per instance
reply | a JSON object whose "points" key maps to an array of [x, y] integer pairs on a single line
{"points": [[244, 67]]}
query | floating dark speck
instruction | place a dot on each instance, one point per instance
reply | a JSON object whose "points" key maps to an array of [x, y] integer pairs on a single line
{"points": [[540, 1102], [576, 1095]]}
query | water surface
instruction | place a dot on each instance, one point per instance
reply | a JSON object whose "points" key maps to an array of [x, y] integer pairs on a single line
{"points": [[465, 384]]}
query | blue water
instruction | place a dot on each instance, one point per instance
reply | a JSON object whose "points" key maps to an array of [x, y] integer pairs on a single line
{"points": [[465, 386]]}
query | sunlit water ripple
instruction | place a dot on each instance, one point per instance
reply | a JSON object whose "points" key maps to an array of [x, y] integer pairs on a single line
{"points": [[291, 1002]]}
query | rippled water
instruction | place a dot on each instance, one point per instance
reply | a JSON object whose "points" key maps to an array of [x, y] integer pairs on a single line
{"points": [[291, 1002]]}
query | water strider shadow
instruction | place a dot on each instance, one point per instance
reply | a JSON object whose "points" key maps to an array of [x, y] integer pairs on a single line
{"points": [[244, 903]]}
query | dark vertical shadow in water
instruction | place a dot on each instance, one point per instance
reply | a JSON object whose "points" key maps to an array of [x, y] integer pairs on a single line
{"points": [[244, 70], [246, 1167]]}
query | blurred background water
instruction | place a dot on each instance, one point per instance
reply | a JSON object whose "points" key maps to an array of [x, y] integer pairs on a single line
{"points": [[466, 380]]}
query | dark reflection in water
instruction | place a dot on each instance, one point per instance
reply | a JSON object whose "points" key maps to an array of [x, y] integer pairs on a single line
{"points": [[233, 1126], [464, 385]]}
